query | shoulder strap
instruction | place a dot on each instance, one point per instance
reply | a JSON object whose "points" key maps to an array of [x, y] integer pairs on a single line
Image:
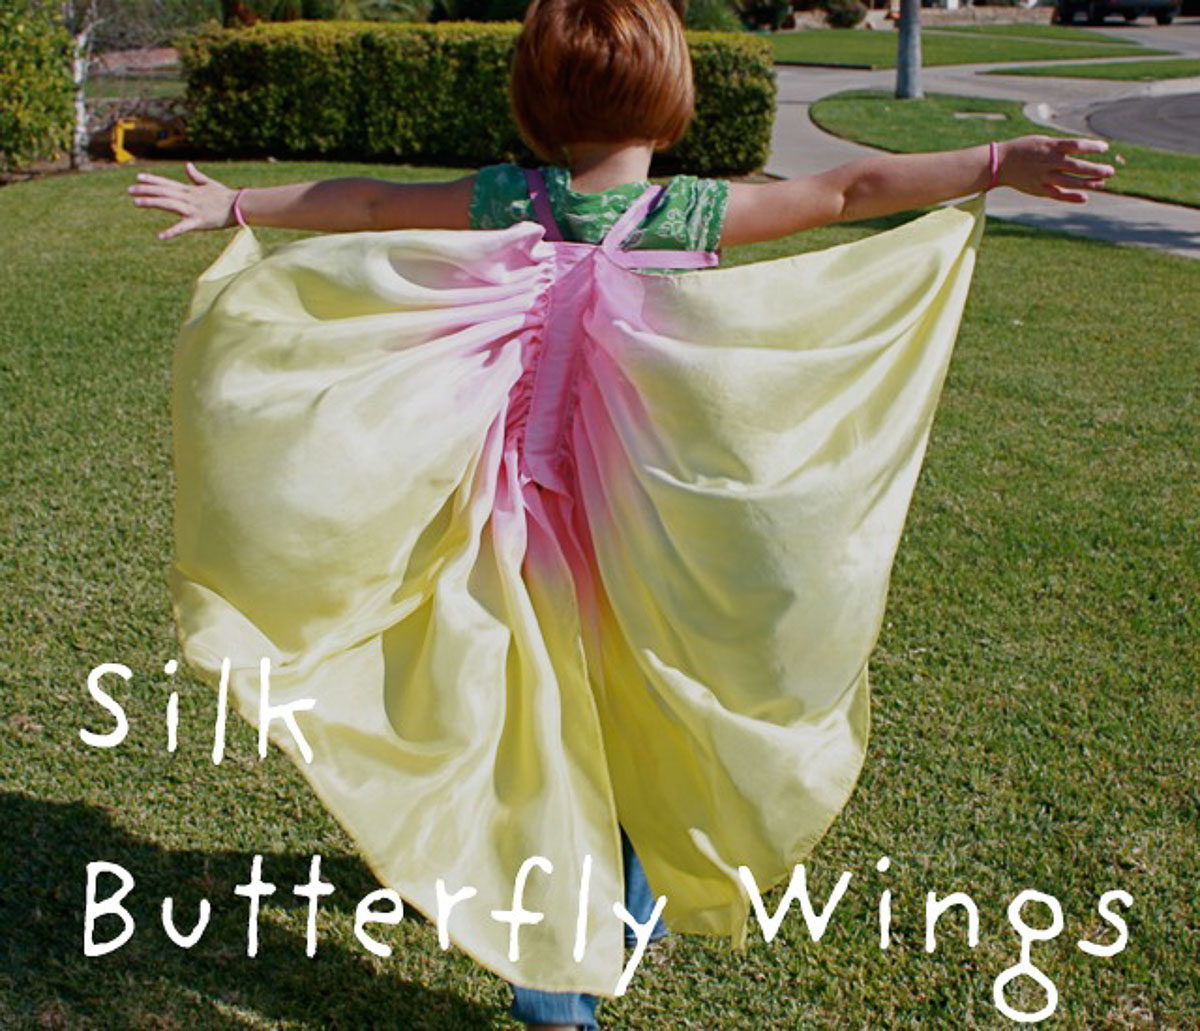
{"points": [[541, 204], [633, 215], [620, 230], [629, 221]]}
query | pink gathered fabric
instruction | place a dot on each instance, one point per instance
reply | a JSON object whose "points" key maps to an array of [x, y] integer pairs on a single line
{"points": [[537, 444]]}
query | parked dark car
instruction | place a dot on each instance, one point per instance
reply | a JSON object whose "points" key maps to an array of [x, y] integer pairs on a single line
{"points": [[1095, 11]]}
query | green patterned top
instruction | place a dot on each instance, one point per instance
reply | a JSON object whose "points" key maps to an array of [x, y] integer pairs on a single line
{"points": [[689, 218]]}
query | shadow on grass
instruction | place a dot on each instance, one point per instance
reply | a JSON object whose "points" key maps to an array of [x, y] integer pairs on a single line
{"points": [[150, 981], [1131, 230], [1084, 229]]}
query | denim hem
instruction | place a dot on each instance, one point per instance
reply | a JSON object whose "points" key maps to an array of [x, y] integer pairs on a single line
{"points": [[533, 1007]]}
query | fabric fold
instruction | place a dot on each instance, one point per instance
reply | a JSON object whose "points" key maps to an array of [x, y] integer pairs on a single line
{"points": [[664, 620]]}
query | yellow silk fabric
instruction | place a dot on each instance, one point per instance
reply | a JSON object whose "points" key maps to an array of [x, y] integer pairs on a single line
{"points": [[746, 442]]}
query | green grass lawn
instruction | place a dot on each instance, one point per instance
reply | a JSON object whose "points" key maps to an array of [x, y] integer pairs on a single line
{"points": [[125, 87], [1063, 33], [878, 119], [1034, 687], [859, 49], [1139, 71]]}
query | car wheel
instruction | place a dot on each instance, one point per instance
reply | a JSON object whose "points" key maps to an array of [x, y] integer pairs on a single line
{"points": [[1131, 16], [1165, 18], [1096, 13]]}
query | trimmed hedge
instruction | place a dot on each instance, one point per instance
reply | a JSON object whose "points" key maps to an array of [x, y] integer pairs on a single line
{"points": [[433, 93], [37, 94]]}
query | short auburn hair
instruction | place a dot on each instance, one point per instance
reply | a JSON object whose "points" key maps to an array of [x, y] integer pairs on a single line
{"points": [[601, 71]]}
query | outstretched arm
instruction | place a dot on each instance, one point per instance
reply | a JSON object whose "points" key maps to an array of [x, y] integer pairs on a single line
{"points": [[888, 183], [329, 205]]}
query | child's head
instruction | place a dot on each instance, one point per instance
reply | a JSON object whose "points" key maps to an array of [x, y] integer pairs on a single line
{"points": [[601, 71]]}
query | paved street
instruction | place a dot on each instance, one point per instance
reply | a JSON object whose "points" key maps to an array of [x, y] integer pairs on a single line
{"points": [[1171, 123]]}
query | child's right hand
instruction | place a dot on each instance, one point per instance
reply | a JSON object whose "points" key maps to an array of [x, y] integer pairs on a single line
{"points": [[1043, 166], [204, 203]]}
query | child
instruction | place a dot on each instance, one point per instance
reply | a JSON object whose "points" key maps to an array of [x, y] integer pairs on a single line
{"points": [[549, 541]]}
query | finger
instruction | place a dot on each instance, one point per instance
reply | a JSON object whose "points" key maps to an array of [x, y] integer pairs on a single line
{"points": [[1081, 145], [1072, 182], [181, 226], [180, 207], [1088, 168], [146, 177], [1071, 196], [196, 174], [168, 189]]}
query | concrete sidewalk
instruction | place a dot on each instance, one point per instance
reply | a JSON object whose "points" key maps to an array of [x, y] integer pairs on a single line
{"points": [[798, 147]]}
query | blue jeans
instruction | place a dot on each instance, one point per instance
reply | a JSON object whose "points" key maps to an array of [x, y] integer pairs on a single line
{"points": [[533, 1007]]}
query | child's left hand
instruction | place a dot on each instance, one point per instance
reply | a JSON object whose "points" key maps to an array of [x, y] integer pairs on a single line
{"points": [[1043, 166]]}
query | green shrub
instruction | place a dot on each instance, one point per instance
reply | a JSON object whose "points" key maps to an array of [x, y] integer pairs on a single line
{"points": [[844, 14], [712, 16], [37, 114], [433, 93]]}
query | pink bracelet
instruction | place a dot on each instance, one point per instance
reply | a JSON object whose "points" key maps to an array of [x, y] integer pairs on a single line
{"points": [[994, 158], [237, 208]]}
